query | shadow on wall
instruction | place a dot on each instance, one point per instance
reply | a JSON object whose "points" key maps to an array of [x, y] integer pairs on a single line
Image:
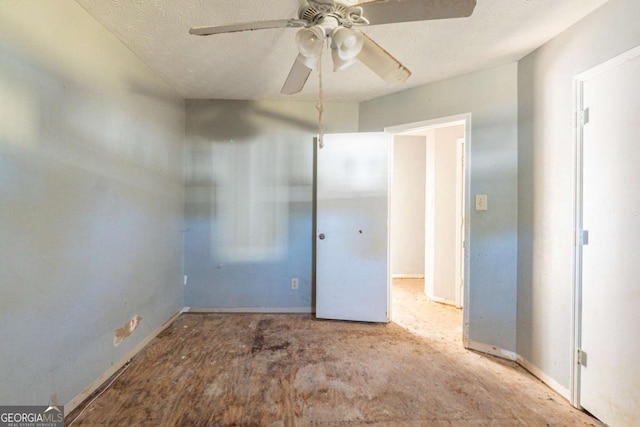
{"points": [[244, 167], [53, 116], [249, 200], [526, 208], [245, 121]]}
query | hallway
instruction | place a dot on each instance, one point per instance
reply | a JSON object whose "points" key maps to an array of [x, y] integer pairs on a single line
{"points": [[507, 381]]}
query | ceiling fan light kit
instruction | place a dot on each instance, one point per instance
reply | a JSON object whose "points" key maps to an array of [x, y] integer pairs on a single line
{"points": [[346, 45], [334, 21], [310, 42]]}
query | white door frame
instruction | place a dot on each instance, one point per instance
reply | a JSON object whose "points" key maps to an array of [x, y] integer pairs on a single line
{"points": [[460, 215], [460, 119], [578, 82]]}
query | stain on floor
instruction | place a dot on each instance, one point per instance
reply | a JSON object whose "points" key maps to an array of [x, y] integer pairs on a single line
{"points": [[294, 370]]}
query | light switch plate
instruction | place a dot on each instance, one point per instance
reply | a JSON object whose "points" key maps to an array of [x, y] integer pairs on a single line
{"points": [[481, 202]]}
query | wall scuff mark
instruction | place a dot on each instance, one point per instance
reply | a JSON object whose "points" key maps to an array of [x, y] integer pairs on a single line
{"points": [[126, 330]]}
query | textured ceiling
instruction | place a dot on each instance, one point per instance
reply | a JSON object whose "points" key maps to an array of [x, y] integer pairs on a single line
{"points": [[254, 64]]}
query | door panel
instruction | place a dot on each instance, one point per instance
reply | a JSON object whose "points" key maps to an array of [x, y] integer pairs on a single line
{"points": [[352, 211], [610, 267]]}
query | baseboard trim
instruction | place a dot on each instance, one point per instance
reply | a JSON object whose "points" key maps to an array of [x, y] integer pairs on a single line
{"points": [[538, 373], [441, 300], [407, 276], [492, 350], [286, 310], [530, 367], [91, 388]]}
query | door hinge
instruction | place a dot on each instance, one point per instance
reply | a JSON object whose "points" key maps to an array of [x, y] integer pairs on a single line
{"points": [[583, 116], [583, 237], [581, 357]]}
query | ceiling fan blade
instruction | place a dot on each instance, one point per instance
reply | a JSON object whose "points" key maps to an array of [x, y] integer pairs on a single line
{"points": [[248, 26], [297, 77], [381, 62], [391, 11]]}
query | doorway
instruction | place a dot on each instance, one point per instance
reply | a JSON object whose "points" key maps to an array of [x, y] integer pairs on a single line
{"points": [[428, 211]]}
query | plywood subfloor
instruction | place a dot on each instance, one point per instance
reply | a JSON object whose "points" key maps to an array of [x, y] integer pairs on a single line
{"points": [[290, 370]]}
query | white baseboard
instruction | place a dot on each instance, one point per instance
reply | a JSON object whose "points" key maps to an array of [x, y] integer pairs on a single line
{"points": [[91, 388], [492, 350], [537, 372], [533, 369], [288, 310], [441, 300], [407, 276]]}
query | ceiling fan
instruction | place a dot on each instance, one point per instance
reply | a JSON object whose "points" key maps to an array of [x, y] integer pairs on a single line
{"points": [[336, 21]]}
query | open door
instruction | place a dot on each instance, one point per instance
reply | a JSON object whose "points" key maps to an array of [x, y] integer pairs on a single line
{"points": [[352, 227], [610, 243]]}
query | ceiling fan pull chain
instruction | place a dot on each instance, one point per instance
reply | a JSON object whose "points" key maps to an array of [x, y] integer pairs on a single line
{"points": [[320, 105]]}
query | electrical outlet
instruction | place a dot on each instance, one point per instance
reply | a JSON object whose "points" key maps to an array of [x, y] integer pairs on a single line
{"points": [[294, 283]]}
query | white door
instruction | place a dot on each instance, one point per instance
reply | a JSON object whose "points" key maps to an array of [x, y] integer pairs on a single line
{"points": [[352, 238], [610, 379]]}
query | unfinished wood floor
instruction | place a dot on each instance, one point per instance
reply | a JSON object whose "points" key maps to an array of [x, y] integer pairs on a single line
{"points": [[293, 370]]}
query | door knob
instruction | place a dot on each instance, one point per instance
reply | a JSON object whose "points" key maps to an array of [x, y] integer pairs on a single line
{"points": [[321, 236]]}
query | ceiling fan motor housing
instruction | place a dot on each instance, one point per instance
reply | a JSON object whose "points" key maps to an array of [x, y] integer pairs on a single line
{"points": [[345, 12]]}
